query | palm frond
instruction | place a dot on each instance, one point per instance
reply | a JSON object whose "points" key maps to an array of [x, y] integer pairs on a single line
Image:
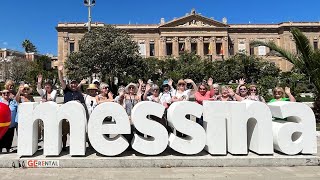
{"points": [[293, 58], [303, 46]]}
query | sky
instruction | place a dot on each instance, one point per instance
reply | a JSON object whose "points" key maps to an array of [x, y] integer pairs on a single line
{"points": [[36, 19]]}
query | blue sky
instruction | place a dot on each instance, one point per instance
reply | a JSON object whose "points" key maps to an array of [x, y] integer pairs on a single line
{"points": [[36, 19]]}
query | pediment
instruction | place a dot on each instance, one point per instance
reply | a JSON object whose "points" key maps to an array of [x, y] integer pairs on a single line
{"points": [[194, 20]]}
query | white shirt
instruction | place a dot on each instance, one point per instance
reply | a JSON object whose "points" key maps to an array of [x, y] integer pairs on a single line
{"points": [[185, 93], [52, 96], [91, 103]]}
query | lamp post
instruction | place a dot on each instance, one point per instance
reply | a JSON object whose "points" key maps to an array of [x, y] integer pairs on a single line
{"points": [[89, 4]]}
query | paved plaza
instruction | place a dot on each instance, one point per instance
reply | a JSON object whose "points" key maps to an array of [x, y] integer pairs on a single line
{"points": [[239, 173]]}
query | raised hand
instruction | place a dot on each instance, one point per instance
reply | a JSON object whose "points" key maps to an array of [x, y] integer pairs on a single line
{"points": [[230, 91], [140, 82], [110, 94], [170, 81], [60, 67], [210, 82], [148, 87], [83, 81], [121, 93], [287, 90], [242, 81], [21, 87], [188, 81], [39, 78]]}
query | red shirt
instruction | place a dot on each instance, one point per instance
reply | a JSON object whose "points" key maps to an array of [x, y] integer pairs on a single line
{"points": [[200, 98]]}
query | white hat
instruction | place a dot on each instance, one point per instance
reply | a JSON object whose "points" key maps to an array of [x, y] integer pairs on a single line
{"points": [[150, 81], [95, 81], [131, 84]]}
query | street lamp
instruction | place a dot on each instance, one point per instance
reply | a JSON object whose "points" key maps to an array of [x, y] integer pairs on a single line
{"points": [[89, 4]]}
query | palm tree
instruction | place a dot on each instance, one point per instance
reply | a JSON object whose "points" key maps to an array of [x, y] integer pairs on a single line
{"points": [[28, 46], [307, 60]]}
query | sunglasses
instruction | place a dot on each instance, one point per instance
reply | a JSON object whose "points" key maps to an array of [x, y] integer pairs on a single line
{"points": [[202, 89], [26, 89], [105, 88], [278, 92], [253, 90], [5, 93], [243, 89], [131, 87]]}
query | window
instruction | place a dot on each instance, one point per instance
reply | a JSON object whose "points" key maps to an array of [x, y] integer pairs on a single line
{"points": [[71, 47], [194, 47], [206, 48], [241, 47], [169, 49], [231, 49], [251, 50], [152, 52], [142, 49], [315, 45], [219, 50], [181, 47], [262, 50]]}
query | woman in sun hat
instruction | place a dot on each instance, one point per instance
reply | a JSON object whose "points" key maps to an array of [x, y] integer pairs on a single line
{"points": [[167, 93], [130, 98], [183, 94], [24, 94], [90, 98]]}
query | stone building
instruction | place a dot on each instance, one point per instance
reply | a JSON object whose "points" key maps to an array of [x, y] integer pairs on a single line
{"points": [[196, 33]]}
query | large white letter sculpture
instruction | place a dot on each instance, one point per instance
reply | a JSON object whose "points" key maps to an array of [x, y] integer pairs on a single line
{"points": [[246, 125], [196, 136], [215, 123], [159, 135], [248, 122], [27, 129], [298, 133], [51, 115], [97, 129]]}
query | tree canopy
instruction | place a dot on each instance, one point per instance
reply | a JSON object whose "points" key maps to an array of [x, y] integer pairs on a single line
{"points": [[106, 51], [29, 46]]}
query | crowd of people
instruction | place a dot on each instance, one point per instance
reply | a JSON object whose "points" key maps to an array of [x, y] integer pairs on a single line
{"points": [[127, 96]]}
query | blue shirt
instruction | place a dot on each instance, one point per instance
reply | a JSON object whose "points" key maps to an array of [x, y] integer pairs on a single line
{"points": [[13, 105]]}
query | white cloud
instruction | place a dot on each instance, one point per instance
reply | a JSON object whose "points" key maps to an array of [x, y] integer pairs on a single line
{"points": [[5, 43]]}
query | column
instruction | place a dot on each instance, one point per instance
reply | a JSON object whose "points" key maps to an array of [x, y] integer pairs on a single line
{"points": [[247, 42], [188, 44], [200, 50], [156, 48], [213, 47], [147, 43], [76, 44], [175, 47], [225, 45], [162, 48]]}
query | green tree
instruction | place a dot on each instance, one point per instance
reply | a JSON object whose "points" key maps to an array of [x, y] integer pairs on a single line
{"points": [[29, 46], [307, 60], [107, 51], [19, 68], [42, 65]]}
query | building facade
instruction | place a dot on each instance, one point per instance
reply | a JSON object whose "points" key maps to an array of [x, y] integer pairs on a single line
{"points": [[204, 36]]}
